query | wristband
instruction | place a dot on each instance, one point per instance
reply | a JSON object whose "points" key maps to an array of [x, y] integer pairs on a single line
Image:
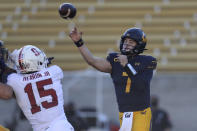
{"points": [[129, 69], [79, 43]]}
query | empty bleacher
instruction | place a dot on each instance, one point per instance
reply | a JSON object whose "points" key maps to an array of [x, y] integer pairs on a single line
{"points": [[170, 25]]}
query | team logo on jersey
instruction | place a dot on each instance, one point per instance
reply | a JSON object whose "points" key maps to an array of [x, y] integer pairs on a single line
{"points": [[115, 59], [127, 115], [121, 118], [137, 63], [124, 74]]}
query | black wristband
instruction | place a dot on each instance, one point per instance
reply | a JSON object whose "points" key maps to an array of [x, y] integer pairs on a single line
{"points": [[129, 69], [79, 43]]}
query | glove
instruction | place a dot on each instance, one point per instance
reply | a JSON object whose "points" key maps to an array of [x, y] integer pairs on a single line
{"points": [[49, 60]]}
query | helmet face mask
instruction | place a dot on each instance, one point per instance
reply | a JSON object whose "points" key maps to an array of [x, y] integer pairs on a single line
{"points": [[30, 59], [128, 46], [138, 36]]}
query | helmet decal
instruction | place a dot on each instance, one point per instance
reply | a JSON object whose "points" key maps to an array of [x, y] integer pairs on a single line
{"points": [[144, 38], [35, 51]]}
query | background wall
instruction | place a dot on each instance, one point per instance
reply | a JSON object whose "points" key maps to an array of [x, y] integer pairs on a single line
{"points": [[177, 93]]}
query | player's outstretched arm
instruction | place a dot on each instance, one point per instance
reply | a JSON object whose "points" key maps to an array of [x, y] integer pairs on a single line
{"points": [[6, 91], [100, 64]]}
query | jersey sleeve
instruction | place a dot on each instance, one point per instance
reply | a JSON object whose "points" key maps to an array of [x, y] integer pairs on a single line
{"points": [[57, 72], [146, 63], [152, 64], [112, 58]]}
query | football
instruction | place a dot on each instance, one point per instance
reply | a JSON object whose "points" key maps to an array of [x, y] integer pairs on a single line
{"points": [[67, 10]]}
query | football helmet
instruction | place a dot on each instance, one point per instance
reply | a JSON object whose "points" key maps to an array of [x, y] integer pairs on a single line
{"points": [[30, 59], [138, 36]]}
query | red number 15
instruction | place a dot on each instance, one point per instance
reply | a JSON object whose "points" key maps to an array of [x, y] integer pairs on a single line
{"points": [[42, 92]]}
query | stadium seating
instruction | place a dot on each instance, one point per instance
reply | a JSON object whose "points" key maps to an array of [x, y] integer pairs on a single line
{"points": [[170, 25]]}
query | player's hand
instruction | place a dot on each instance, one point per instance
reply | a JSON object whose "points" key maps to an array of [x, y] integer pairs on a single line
{"points": [[75, 35], [122, 59]]}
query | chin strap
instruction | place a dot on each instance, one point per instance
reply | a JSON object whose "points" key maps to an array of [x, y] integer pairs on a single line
{"points": [[124, 52]]}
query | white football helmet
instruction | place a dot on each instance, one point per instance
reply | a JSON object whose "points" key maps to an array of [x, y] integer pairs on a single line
{"points": [[30, 59]]}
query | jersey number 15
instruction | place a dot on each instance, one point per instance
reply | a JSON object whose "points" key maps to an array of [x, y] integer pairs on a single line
{"points": [[42, 92]]}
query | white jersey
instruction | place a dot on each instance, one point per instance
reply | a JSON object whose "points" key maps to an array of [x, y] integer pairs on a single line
{"points": [[40, 96]]}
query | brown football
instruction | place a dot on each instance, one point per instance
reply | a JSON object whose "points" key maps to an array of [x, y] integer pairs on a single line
{"points": [[67, 10]]}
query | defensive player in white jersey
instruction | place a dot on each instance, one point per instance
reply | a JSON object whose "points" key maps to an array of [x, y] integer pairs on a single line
{"points": [[38, 90]]}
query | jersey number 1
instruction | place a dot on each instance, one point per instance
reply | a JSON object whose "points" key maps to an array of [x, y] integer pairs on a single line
{"points": [[128, 86], [42, 92]]}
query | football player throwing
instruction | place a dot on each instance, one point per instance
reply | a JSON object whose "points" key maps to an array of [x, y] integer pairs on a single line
{"points": [[131, 74]]}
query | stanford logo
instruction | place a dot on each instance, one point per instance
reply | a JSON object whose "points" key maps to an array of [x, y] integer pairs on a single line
{"points": [[127, 115], [35, 51]]}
